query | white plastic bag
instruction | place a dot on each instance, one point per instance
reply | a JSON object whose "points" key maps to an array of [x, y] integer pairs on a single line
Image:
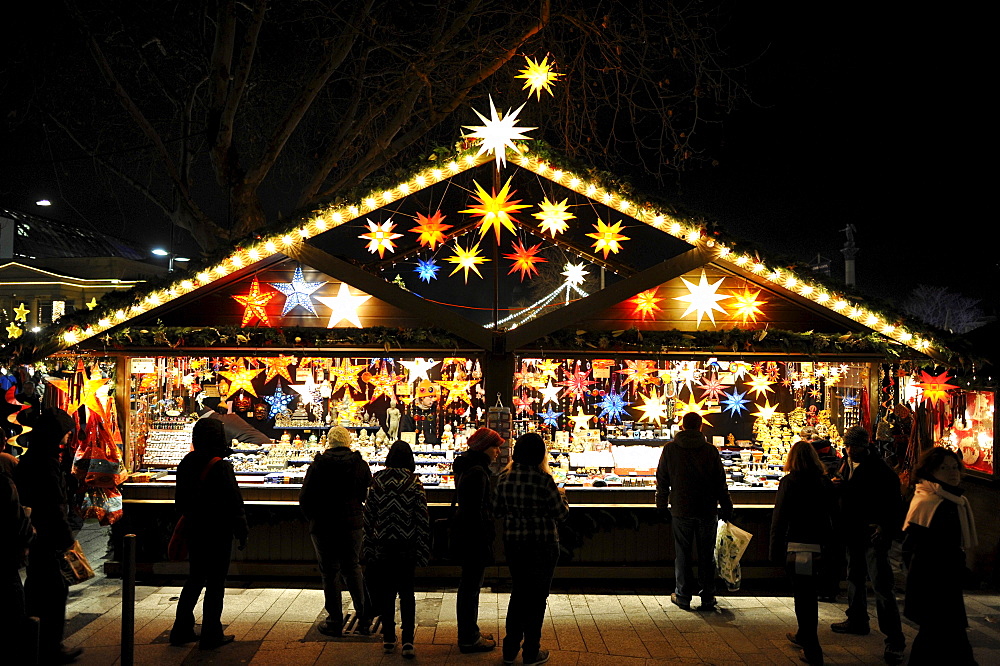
{"points": [[730, 544]]}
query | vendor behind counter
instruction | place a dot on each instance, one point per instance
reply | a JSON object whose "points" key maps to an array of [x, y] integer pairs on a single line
{"points": [[234, 425]]}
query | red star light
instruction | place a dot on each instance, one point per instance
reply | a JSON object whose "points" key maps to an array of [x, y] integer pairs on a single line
{"points": [[525, 260], [431, 229], [254, 302], [646, 303]]}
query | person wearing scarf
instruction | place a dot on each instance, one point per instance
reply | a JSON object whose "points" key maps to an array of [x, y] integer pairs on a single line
{"points": [[939, 529]]}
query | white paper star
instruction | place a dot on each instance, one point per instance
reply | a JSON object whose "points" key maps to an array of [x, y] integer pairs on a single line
{"points": [[702, 298], [309, 390], [297, 292], [418, 368], [497, 133], [343, 306], [575, 274], [550, 393]]}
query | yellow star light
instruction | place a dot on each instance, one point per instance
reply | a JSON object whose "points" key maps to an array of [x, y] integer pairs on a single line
{"points": [[703, 298], [639, 373], [497, 133], [382, 384], [681, 408], [765, 412], [346, 375], [646, 303], [607, 237], [241, 379], [760, 385], [82, 390], [458, 390], [431, 229], [343, 306], [254, 302], [538, 76], [277, 366], [547, 369], [554, 216], [494, 210], [746, 306], [21, 313], [380, 237], [14, 331], [92, 303], [466, 260], [654, 408], [580, 420], [418, 368]]}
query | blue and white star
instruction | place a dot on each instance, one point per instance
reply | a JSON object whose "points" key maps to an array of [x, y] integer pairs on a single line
{"points": [[734, 403], [427, 270], [613, 405], [279, 401], [550, 417], [297, 292]]}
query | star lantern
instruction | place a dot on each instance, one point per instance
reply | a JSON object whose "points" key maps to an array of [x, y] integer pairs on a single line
{"points": [[547, 369], [550, 418], [277, 366], [760, 384], [458, 390], [576, 385], [297, 292], [380, 237], [418, 368], [654, 409], [497, 133], [240, 379], [431, 229], [766, 412], [575, 274], [734, 403], [694, 407], [525, 260], [746, 305], [309, 390], [346, 374], [639, 373], [343, 306], [92, 303], [427, 269], [254, 302], [712, 388], [382, 384], [607, 237], [550, 393], [646, 303], [466, 260], [935, 388], [279, 401], [538, 76], [580, 420], [523, 404], [613, 406], [703, 298], [494, 211], [81, 390], [14, 331], [21, 313], [553, 216]]}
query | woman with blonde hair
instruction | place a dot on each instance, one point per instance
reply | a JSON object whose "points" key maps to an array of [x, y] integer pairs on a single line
{"points": [[801, 526]]}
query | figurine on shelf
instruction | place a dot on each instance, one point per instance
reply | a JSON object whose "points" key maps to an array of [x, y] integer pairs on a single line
{"points": [[447, 437], [392, 416]]}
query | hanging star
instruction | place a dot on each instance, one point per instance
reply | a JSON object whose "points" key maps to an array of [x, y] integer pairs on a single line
{"points": [[646, 303], [739, 368], [575, 274], [814, 393], [550, 393], [254, 302], [639, 373], [497, 133], [427, 270], [550, 418], [343, 306], [613, 406], [746, 306], [382, 384], [760, 384], [346, 374], [523, 404], [850, 401], [548, 369], [702, 298], [279, 401], [14, 331], [538, 76], [935, 388], [21, 313], [240, 379], [494, 211], [654, 408], [576, 385], [92, 303], [380, 237], [712, 388], [297, 292], [431, 229], [765, 412], [81, 390], [693, 407], [466, 260], [528, 380], [277, 366], [607, 237], [554, 217], [580, 420], [734, 403], [418, 368], [308, 390], [525, 260], [457, 390]]}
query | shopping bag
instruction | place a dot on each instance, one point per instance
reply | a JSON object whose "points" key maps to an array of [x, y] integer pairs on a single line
{"points": [[730, 544], [443, 539], [75, 567]]}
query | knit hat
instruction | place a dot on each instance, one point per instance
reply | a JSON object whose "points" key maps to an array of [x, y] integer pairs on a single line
{"points": [[856, 436], [48, 429], [529, 449], [209, 434], [400, 455], [483, 439], [338, 436]]}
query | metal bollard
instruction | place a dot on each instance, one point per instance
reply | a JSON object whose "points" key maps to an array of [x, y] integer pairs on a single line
{"points": [[128, 601]]}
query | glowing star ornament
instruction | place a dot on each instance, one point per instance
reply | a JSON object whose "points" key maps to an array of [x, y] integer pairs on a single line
{"points": [[92, 303], [694, 407], [494, 211], [466, 260], [580, 420], [297, 292], [538, 76], [654, 409], [646, 303], [577, 383], [734, 403], [380, 237], [382, 384], [82, 390], [497, 133], [240, 379], [712, 388], [548, 368], [553, 217], [346, 374], [550, 418], [279, 401], [766, 412], [458, 390], [343, 306], [21, 313], [607, 237], [14, 331], [308, 390], [525, 260], [431, 229], [613, 406], [254, 302], [759, 385], [935, 388], [418, 368], [277, 367], [575, 274], [746, 305], [703, 298], [550, 393], [639, 373], [427, 270]]}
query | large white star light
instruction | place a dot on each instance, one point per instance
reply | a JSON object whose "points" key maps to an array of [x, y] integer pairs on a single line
{"points": [[297, 292], [703, 298], [496, 133], [343, 306], [575, 274], [418, 368]]}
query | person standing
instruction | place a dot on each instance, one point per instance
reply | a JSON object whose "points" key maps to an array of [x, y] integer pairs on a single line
{"points": [[691, 493], [801, 532], [938, 530], [397, 541], [474, 493], [532, 506], [332, 499], [210, 501], [16, 534], [42, 486], [870, 512]]}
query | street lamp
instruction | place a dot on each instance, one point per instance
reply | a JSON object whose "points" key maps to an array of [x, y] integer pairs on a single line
{"points": [[171, 258]]}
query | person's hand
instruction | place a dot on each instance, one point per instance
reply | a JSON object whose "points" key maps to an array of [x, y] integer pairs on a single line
{"points": [[726, 515]]}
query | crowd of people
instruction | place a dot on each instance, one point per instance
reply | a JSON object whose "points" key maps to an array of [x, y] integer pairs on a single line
{"points": [[835, 518]]}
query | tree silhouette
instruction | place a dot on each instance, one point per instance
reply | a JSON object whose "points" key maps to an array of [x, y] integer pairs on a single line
{"points": [[945, 309]]}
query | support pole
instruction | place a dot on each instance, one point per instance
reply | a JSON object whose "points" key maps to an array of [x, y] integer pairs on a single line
{"points": [[128, 602]]}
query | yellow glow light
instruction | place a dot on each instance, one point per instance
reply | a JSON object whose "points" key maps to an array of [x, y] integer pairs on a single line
{"points": [[806, 290], [343, 306], [353, 211], [742, 259], [421, 181], [658, 221], [236, 260], [254, 254], [453, 165], [497, 133], [766, 412], [467, 259], [338, 218], [387, 196], [538, 76], [494, 211], [591, 190], [758, 268], [380, 237], [646, 303], [905, 336], [553, 216], [470, 159], [608, 198], [747, 305], [104, 323], [839, 305], [557, 175], [70, 337], [270, 247], [574, 182], [822, 297], [607, 237], [790, 282], [888, 329], [437, 174], [370, 203], [287, 240]]}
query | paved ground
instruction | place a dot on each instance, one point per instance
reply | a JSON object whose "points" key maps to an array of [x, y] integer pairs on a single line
{"points": [[582, 627]]}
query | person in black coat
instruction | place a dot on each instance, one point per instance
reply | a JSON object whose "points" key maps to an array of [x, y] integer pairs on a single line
{"points": [[475, 495], [939, 528], [801, 530], [210, 501], [16, 534]]}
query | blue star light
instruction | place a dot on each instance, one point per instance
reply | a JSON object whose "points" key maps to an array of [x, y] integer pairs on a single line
{"points": [[550, 417], [734, 403], [279, 401], [850, 401], [297, 292], [427, 270], [613, 406]]}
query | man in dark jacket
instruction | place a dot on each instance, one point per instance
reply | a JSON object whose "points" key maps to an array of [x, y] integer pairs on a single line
{"points": [[871, 512], [16, 533], [235, 426], [210, 500], [691, 481], [42, 486], [332, 499]]}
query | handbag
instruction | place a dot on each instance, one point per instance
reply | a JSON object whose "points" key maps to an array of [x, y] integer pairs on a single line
{"points": [[75, 567], [177, 547]]}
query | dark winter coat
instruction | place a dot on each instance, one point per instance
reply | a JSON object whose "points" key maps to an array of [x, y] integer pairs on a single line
{"points": [[334, 491], [936, 565], [42, 486], [691, 479], [395, 516], [16, 532], [214, 505], [827, 455], [804, 510], [476, 496], [870, 495]]}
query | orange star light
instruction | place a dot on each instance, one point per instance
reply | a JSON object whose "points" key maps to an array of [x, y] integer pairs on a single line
{"points": [[935, 388], [240, 379], [380, 237], [608, 237], [457, 390], [639, 373], [346, 375], [646, 303], [681, 408], [525, 260], [254, 302], [277, 367], [81, 390], [746, 306], [495, 210], [554, 216], [466, 260], [431, 229], [382, 384]]}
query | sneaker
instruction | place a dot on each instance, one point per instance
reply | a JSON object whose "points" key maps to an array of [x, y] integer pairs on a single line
{"points": [[388, 644], [680, 603], [408, 651], [213, 642], [848, 627], [482, 644], [894, 653], [540, 658], [329, 629]]}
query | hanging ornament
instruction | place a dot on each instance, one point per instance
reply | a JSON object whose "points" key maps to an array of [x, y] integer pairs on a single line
{"points": [[81, 390], [639, 373], [766, 412], [935, 388], [575, 274], [21, 313], [613, 406], [646, 303], [577, 383], [346, 374], [693, 407], [277, 366], [279, 401], [550, 418], [431, 229], [550, 393], [497, 133], [746, 305], [418, 368], [254, 302], [554, 217], [297, 292], [580, 420], [525, 260], [14, 331], [734, 403], [523, 404], [343, 306], [380, 237], [457, 390], [760, 384], [382, 384], [308, 390], [547, 369], [92, 303], [703, 298], [494, 211], [607, 237], [538, 76], [712, 388], [240, 379], [466, 260], [654, 408], [427, 269]]}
